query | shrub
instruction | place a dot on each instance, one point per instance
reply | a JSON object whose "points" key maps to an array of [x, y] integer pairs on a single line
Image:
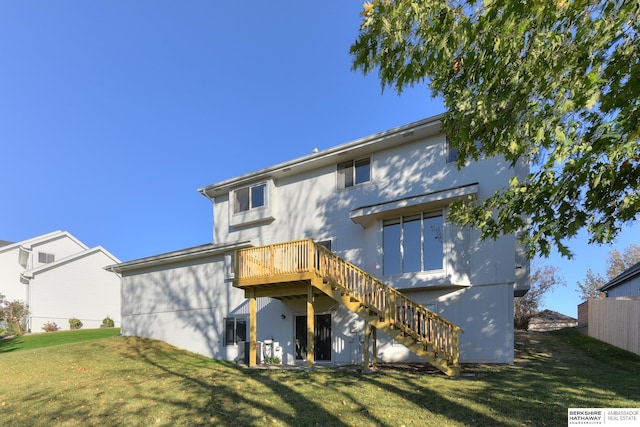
{"points": [[14, 313], [273, 360], [107, 322], [75, 323], [50, 327]]}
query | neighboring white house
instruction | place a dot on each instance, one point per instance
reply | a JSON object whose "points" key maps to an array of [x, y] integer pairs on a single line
{"points": [[59, 277], [380, 203]]}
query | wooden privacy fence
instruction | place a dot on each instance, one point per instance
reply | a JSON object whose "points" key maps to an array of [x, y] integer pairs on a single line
{"points": [[616, 321], [389, 305]]}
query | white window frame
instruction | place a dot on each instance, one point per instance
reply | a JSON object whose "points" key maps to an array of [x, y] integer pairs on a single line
{"points": [[401, 221], [250, 202], [453, 153], [352, 165], [48, 258], [254, 214], [235, 320]]}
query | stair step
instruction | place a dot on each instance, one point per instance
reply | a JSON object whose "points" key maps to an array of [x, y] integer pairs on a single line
{"points": [[366, 307]]}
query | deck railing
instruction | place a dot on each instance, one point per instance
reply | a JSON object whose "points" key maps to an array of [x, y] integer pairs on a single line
{"points": [[390, 305], [273, 260]]}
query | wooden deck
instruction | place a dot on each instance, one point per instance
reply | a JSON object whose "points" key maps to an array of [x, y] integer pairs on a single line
{"points": [[303, 269]]}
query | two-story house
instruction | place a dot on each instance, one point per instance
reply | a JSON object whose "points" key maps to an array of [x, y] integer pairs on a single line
{"points": [[59, 277], [319, 256]]}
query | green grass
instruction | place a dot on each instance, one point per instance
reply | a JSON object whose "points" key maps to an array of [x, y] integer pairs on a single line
{"points": [[29, 342], [135, 381]]}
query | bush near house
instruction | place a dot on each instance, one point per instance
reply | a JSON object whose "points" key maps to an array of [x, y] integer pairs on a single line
{"points": [[50, 327], [107, 322], [14, 313], [75, 323]]}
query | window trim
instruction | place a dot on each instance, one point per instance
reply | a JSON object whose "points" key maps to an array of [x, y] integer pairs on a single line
{"points": [[401, 251], [453, 153], [250, 198], [254, 214], [48, 258], [236, 341], [353, 165]]}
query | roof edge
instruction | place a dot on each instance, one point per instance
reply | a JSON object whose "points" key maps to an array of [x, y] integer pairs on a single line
{"points": [[193, 252], [31, 240], [629, 272], [29, 274], [213, 190]]}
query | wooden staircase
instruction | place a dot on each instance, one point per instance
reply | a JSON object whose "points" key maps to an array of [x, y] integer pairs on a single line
{"points": [[285, 268]]}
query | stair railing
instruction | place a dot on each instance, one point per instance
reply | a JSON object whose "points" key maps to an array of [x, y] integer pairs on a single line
{"points": [[433, 331], [391, 306]]}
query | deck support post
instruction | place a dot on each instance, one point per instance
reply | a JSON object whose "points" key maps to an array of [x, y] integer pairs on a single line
{"points": [[367, 337], [252, 328], [311, 333], [374, 346], [301, 268]]}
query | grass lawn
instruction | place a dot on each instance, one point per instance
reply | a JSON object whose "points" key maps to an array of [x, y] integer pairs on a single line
{"points": [[29, 342], [135, 381]]}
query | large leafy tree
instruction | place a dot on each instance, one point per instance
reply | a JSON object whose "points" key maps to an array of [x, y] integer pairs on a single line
{"points": [[552, 83]]}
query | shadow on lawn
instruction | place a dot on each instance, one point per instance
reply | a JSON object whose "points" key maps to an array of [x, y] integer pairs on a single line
{"points": [[229, 404], [552, 373], [225, 403], [9, 344]]}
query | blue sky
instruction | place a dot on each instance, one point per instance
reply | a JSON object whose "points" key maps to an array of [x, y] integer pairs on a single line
{"points": [[113, 113]]}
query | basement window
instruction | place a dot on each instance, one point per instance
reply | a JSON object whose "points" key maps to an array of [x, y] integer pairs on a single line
{"points": [[235, 330]]}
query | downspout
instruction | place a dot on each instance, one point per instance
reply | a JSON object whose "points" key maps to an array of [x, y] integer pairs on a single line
{"points": [[213, 222], [27, 282], [28, 265]]}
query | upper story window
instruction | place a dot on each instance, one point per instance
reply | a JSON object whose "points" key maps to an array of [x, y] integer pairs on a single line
{"points": [[453, 153], [45, 258], [413, 243], [252, 204], [354, 172], [250, 197]]}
